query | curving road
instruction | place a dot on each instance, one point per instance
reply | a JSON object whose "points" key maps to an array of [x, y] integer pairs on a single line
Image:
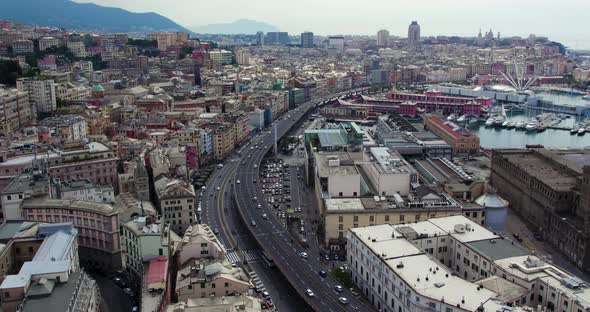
{"points": [[274, 238]]}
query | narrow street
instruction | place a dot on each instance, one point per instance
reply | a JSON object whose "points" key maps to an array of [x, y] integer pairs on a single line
{"points": [[514, 225]]}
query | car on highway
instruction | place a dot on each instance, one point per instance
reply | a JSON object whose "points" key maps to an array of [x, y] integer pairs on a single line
{"points": [[266, 295], [215, 231], [343, 300], [517, 237], [237, 181], [322, 274], [129, 292], [338, 288], [309, 292], [218, 188], [264, 216], [259, 206], [119, 281], [253, 223], [303, 255]]}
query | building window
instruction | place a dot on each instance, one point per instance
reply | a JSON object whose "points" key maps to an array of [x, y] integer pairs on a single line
{"points": [[340, 219], [387, 218], [340, 194]]}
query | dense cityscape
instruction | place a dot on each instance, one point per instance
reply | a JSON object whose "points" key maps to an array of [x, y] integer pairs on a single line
{"points": [[182, 172]]}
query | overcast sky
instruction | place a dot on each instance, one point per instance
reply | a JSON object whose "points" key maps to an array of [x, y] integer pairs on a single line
{"points": [[567, 21]]}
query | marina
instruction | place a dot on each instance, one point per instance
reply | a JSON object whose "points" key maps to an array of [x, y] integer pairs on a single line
{"points": [[547, 129]]}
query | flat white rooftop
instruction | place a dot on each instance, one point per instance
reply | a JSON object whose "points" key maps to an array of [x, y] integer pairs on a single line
{"points": [[476, 233], [433, 280]]}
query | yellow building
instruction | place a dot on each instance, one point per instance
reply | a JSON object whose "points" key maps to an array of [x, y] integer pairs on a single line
{"points": [[224, 140], [344, 213], [460, 139]]}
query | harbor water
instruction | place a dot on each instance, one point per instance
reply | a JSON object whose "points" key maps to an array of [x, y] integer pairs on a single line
{"points": [[498, 137], [512, 138]]}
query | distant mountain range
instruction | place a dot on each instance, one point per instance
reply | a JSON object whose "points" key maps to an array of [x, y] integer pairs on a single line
{"points": [[89, 16], [242, 26]]}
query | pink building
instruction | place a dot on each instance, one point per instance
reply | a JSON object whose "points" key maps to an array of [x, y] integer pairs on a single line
{"points": [[412, 104], [97, 225], [192, 153], [436, 98]]}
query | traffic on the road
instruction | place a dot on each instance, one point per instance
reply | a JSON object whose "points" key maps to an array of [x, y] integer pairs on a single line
{"points": [[307, 275]]}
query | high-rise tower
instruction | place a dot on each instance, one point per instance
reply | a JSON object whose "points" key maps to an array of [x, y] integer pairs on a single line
{"points": [[382, 38], [414, 34]]}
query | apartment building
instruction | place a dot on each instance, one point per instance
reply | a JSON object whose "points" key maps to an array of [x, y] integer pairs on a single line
{"points": [[199, 241], [166, 40], [49, 277], [47, 42], [42, 94], [422, 265], [67, 128], [141, 240], [223, 139], [23, 46], [202, 278], [93, 161], [77, 48], [97, 225], [16, 111], [176, 200], [203, 271], [241, 303], [84, 190]]}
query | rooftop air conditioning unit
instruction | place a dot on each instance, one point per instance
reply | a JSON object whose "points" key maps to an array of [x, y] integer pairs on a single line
{"points": [[459, 228]]}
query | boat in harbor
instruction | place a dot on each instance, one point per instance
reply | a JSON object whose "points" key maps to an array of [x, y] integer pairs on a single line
{"points": [[532, 125], [505, 124], [489, 122], [499, 120], [451, 117], [514, 108], [520, 124], [541, 128], [586, 97], [473, 120], [462, 118], [511, 125], [581, 131], [575, 129]]}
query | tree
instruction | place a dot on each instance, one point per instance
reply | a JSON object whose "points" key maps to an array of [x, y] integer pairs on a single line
{"points": [[185, 51], [142, 43], [9, 71]]}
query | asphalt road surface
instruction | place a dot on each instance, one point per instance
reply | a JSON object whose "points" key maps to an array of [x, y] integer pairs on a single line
{"points": [[276, 240]]}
